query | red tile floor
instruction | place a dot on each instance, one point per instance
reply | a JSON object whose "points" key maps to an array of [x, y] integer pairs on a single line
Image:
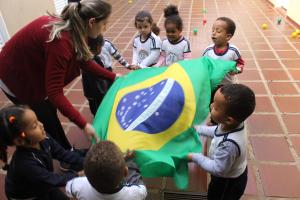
{"points": [[272, 70]]}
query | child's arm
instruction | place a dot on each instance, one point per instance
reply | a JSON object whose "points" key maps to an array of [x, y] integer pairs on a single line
{"points": [[222, 161], [205, 130], [240, 64], [117, 55], [36, 172], [63, 155], [161, 60], [134, 56], [151, 59], [187, 54], [238, 59]]}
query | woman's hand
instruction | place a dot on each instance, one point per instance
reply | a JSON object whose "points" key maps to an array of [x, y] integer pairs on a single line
{"points": [[90, 132]]}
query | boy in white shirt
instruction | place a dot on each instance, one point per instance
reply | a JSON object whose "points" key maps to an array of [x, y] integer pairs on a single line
{"points": [[222, 31], [107, 176], [227, 160]]}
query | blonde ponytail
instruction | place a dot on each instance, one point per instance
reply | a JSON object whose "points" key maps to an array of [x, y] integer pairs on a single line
{"points": [[74, 19]]}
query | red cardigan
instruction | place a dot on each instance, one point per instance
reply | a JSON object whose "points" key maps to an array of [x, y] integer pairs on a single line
{"points": [[34, 69]]}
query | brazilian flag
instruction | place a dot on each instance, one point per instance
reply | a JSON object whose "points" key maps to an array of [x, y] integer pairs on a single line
{"points": [[152, 111]]}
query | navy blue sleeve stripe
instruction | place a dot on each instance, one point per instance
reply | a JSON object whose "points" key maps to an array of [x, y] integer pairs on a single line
{"points": [[206, 50], [236, 51]]}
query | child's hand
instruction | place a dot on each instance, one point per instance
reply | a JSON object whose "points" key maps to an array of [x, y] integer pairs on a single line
{"points": [[81, 173], [129, 154], [134, 67], [189, 157]]}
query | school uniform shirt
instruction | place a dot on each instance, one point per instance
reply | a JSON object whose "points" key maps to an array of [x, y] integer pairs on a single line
{"points": [[227, 156], [30, 172], [231, 52], [81, 189], [172, 52], [146, 52], [108, 51]]}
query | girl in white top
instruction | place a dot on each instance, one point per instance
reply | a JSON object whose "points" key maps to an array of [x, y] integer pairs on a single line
{"points": [[146, 45], [176, 47]]}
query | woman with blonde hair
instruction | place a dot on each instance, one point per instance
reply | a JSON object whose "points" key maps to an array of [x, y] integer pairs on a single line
{"points": [[46, 55]]}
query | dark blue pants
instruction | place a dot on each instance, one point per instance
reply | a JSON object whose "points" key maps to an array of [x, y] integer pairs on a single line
{"points": [[227, 188]]}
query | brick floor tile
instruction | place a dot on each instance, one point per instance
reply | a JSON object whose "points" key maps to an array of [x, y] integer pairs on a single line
{"points": [[269, 64], [282, 88], [296, 144], [264, 124], [257, 87], [249, 75], [271, 149], [287, 54], [76, 97], [292, 123], [280, 180], [295, 74], [288, 104], [291, 63], [263, 104], [264, 55], [274, 75], [251, 184]]}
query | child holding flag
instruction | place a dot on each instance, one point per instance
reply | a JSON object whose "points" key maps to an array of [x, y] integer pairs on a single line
{"points": [[227, 160]]}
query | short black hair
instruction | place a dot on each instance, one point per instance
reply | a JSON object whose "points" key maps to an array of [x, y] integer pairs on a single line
{"points": [[171, 14], [104, 166], [240, 101], [230, 25]]}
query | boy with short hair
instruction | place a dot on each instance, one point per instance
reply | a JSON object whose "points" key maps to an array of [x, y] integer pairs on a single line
{"points": [[227, 159], [107, 176], [222, 31]]}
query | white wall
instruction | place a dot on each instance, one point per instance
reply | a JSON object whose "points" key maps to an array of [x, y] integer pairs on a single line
{"points": [[17, 13], [293, 10]]}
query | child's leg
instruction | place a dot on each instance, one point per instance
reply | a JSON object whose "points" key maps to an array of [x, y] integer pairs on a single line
{"points": [[227, 188]]}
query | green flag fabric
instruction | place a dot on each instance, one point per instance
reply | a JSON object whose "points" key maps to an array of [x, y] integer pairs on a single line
{"points": [[152, 111]]}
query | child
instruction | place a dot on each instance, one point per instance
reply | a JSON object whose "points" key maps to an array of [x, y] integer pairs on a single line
{"points": [[109, 50], [176, 47], [227, 161], [94, 89], [146, 46], [30, 172], [105, 170], [222, 31]]}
